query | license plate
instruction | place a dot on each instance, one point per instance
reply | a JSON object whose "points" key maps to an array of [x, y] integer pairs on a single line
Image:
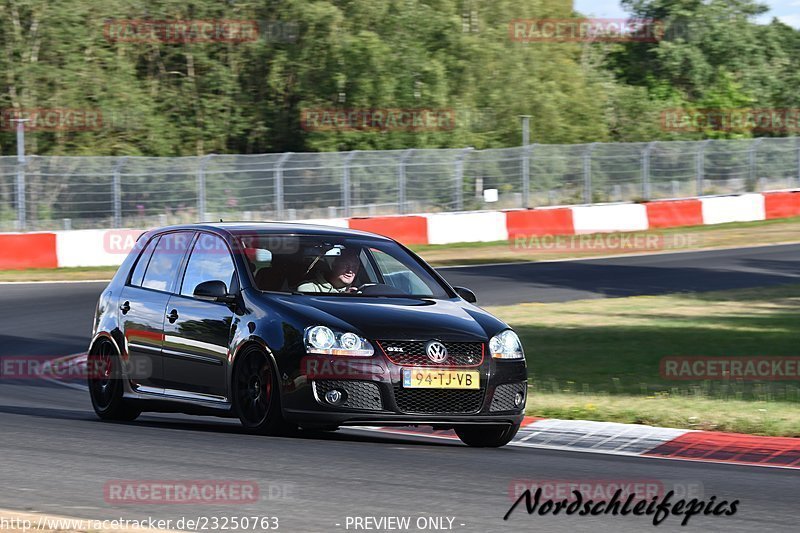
{"points": [[429, 378]]}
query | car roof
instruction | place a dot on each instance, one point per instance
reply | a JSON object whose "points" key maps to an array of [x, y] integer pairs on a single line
{"points": [[288, 228]]}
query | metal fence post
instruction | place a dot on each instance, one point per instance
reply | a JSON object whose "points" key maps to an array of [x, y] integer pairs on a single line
{"points": [[797, 161], [279, 205], [646, 192], [700, 166], [526, 176], [21, 214], [201, 186], [526, 169], [21, 161], [587, 173], [459, 196], [401, 181], [752, 152], [117, 192], [346, 185]]}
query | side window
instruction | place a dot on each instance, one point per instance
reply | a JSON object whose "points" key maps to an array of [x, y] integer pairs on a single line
{"points": [[166, 260], [141, 263], [210, 260], [399, 276]]}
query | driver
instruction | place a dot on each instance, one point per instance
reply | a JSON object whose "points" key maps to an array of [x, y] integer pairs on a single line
{"points": [[342, 275]]}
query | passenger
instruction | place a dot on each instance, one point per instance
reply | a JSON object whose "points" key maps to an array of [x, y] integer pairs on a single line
{"points": [[342, 275]]}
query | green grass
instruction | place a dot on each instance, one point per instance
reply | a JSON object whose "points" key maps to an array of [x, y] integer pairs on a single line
{"points": [[58, 274], [599, 359]]}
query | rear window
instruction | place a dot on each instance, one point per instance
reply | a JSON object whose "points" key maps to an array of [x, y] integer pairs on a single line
{"points": [[166, 261], [141, 264]]}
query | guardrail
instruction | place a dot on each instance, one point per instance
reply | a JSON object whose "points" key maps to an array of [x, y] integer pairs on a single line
{"points": [[524, 229]]}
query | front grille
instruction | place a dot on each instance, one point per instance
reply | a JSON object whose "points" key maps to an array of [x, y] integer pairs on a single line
{"points": [[503, 399], [413, 354], [363, 395], [438, 400]]}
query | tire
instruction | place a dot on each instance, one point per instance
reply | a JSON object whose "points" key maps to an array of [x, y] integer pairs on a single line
{"points": [[105, 380], [256, 394], [486, 436]]}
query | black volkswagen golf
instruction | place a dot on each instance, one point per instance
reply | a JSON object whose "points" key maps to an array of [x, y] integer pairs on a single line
{"points": [[290, 325]]}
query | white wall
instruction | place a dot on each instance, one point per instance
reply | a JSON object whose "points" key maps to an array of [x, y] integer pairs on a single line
{"points": [[609, 218], [722, 209], [93, 247], [445, 228]]}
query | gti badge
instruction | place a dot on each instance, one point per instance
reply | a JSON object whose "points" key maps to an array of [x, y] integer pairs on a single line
{"points": [[436, 351]]}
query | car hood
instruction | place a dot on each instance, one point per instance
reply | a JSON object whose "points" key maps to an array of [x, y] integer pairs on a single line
{"points": [[396, 318]]}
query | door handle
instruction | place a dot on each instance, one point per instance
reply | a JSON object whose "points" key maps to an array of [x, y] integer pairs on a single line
{"points": [[172, 316], [125, 308]]}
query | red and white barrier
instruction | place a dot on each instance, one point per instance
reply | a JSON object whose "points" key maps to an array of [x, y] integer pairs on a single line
{"points": [[611, 438], [743, 208], [98, 247], [540, 222], [781, 204], [27, 250], [674, 213], [406, 229], [648, 441]]}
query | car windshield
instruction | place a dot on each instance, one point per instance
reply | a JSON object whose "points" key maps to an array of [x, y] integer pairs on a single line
{"points": [[336, 266]]}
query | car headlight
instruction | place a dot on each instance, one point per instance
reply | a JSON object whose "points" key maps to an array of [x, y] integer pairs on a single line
{"points": [[506, 345], [323, 340]]}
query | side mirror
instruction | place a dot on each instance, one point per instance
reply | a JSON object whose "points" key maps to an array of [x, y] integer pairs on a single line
{"points": [[466, 294], [215, 291]]}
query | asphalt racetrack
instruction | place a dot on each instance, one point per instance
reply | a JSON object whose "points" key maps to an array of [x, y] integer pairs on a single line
{"points": [[56, 457], [561, 281]]}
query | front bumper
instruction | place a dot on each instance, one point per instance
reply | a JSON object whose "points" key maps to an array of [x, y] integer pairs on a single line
{"points": [[375, 396]]}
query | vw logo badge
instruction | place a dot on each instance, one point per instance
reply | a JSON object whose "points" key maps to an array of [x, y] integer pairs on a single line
{"points": [[436, 351]]}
